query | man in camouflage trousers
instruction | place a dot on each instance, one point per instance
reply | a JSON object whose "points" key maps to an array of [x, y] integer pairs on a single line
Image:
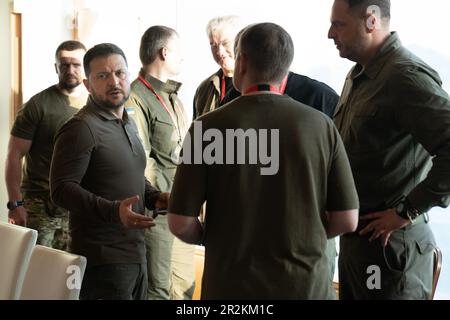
{"points": [[32, 138], [51, 221]]}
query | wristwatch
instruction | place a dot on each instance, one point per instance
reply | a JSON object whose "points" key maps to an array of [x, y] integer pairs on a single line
{"points": [[405, 211], [11, 205]]}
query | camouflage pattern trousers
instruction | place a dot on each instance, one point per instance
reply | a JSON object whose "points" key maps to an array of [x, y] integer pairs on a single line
{"points": [[51, 222]]}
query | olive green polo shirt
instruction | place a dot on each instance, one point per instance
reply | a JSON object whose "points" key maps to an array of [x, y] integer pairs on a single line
{"points": [[265, 235], [38, 120], [394, 116], [97, 162], [161, 134]]}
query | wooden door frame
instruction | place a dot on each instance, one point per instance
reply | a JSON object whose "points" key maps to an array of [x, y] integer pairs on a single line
{"points": [[16, 64]]}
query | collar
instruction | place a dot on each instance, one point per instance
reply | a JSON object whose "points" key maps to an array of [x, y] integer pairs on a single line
{"points": [[215, 79], [372, 70], [104, 113], [169, 87]]}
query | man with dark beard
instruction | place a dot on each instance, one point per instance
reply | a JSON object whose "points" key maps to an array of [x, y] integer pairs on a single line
{"points": [[32, 137], [97, 173]]}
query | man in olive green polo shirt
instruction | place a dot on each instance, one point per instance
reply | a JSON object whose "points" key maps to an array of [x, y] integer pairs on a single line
{"points": [[162, 124], [394, 117], [32, 138], [97, 173], [266, 228]]}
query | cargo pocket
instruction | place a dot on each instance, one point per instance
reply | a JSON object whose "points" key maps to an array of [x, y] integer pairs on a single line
{"points": [[164, 136], [419, 274], [395, 255], [424, 247]]}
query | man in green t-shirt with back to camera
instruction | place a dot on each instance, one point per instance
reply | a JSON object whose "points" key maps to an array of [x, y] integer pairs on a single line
{"points": [[281, 186]]}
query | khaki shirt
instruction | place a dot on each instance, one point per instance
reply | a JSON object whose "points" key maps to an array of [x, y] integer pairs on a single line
{"points": [[393, 116], [161, 134], [207, 96]]}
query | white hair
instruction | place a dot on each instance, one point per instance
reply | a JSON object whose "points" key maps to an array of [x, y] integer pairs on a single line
{"points": [[231, 21]]}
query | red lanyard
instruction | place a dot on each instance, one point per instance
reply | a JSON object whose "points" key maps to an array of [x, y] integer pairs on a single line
{"points": [[266, 87], [160, 99], [222, 88], [283, 85]]}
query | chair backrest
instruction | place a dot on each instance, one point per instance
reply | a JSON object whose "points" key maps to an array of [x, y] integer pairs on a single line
{"points": [[53, 275], [16, 244], [437, 265]]}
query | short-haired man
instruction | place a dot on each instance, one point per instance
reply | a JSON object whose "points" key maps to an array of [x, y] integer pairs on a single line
{"points": [[97, 174], [162, 124], [218, 89], [266, 228], [393, 117], [32, 137]]}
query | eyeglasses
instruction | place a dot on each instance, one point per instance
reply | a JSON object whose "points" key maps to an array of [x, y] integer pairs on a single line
{"points": [[121, 74]]}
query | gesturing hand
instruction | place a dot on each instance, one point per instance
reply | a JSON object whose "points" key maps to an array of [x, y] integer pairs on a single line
{"points": [[131, 219]]}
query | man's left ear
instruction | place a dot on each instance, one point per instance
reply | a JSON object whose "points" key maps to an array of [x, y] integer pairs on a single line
{"points": [[373, 18], [372, 23], [163, 52], [87, 85]]}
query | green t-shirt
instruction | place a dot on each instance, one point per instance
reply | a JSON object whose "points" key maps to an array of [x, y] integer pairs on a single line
{"points": [[265, 235], [38, 120]]}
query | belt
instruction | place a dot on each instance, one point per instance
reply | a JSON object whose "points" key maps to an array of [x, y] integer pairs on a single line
{"points": [[423, 218]]}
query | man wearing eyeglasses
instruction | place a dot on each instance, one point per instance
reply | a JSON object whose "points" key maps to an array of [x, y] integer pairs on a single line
{"points": [[97, 173]]}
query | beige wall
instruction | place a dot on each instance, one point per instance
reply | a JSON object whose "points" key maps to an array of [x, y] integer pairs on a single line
{"points": [[5, 85]]}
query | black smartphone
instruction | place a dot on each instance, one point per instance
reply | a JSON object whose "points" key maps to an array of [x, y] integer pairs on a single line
{"points": [[158, 211]]}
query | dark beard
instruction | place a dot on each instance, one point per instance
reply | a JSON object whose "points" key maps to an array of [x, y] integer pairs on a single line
{"points": [[112, 106], [68, 86], [108, 104]]}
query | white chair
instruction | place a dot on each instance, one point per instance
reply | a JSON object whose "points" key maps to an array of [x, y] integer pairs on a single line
{"points": [[53, 275], [16, 244]]}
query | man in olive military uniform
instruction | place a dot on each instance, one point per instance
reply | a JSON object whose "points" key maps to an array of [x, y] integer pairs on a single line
{"points": [[162, 124], [32, 137], [265, 234], [393, 116]]}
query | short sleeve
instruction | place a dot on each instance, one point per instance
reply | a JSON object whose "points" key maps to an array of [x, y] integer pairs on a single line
{"points": [[341, 193]]}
